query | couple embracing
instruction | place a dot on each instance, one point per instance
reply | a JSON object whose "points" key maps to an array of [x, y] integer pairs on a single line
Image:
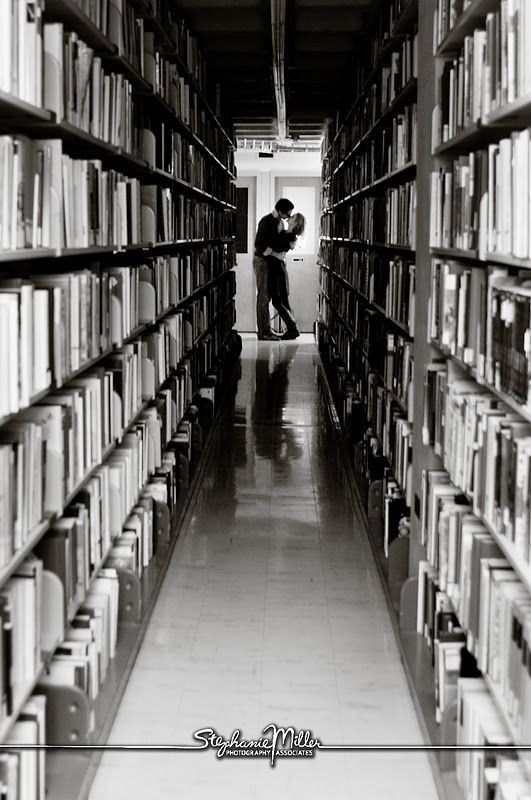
{"points": [[276, 235]]}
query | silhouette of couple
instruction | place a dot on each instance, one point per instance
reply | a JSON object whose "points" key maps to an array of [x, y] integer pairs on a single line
{"points": [[276, 235]]}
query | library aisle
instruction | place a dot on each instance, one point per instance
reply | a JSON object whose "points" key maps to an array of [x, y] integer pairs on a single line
{"points": [[271, 612]]}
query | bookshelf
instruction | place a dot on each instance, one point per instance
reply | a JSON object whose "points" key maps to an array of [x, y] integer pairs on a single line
{"points": [[473, 118], [116, 348], [367, 262], [459, 439]]}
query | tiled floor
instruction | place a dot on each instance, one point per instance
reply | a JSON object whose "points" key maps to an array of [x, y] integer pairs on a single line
{"points": [[271, 612]]}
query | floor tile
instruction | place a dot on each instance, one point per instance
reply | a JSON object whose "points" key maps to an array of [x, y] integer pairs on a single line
{"points": [[271, 612]]}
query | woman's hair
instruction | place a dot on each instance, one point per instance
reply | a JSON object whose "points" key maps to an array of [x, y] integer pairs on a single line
{"points": [[297, 223]]}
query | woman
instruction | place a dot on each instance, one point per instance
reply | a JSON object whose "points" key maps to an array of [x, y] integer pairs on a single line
{"points": [[277, 273]]}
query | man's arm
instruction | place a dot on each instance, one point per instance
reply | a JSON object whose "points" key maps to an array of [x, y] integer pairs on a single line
{"points": [[267, 228]]}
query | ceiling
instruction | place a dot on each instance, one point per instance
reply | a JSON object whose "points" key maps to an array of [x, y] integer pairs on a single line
{"points": [[320, 39]]}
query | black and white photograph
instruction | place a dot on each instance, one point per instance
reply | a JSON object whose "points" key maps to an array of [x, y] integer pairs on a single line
{"points": [[265, 399]]}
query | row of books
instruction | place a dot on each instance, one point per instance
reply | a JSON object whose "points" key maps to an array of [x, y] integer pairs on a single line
{"points": [[123, 537], [188, 52], [120, 24], [54, 324], [495, 344], [337, 332], [492, 70], [398, 368], [151, 464], [20, 633], [388, 16], [112, 518], [50, 67], [485, 449], [166, 149], [396, 501], [203, 310], [393, 288], [482, 202], [51, 446], [21, 61], [367, 336], [483, 773], [170, 83], [80, 91], [455, 323], [375, 426], [470, 592], [354, 265], [377, 99], [395, 435], [394, 148], [388, 283], [168, 74], [448, 13], [48, 199], [402, 68], [406, 53], [389, 220], [400, 215], [25, 767]]}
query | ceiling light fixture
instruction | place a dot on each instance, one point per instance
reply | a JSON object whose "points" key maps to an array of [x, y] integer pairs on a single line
{"points": [[278, 29]]}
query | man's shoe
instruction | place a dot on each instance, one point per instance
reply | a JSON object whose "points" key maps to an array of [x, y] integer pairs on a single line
{"points": [[294, 333], [269, 337]]}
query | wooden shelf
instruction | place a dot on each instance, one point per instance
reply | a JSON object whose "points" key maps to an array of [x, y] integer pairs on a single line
{"points": [[515, 114], [400, 248], [83, 144], [387, 180], [405, 96], [474, 137], [472, 18], [13, 111], [10, 256], [400, 325], [488, 258], [444, 252], [509, 261]]}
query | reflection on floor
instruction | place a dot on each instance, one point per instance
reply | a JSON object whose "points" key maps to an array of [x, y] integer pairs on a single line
{"points": [[271, 612]]}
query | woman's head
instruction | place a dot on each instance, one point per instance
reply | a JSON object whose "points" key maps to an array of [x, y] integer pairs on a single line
{"points": [[297, 223]]}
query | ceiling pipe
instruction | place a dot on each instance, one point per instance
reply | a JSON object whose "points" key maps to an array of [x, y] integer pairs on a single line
{"points": [[278, 29]]}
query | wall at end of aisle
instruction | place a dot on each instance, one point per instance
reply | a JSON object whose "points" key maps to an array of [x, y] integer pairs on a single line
{"points": [[258, 175]]}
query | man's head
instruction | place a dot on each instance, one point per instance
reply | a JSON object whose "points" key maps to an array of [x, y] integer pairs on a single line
{"points": [[284, 207]]}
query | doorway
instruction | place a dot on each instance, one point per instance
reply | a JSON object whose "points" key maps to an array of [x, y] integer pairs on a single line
{"points": [[304, 193]]}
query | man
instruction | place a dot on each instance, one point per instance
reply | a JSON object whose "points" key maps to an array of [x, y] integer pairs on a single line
{"points": [[267, 230]]}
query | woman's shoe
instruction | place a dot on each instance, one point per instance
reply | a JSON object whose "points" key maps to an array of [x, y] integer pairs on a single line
{"points": [[269, 337], [293, 333]]}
